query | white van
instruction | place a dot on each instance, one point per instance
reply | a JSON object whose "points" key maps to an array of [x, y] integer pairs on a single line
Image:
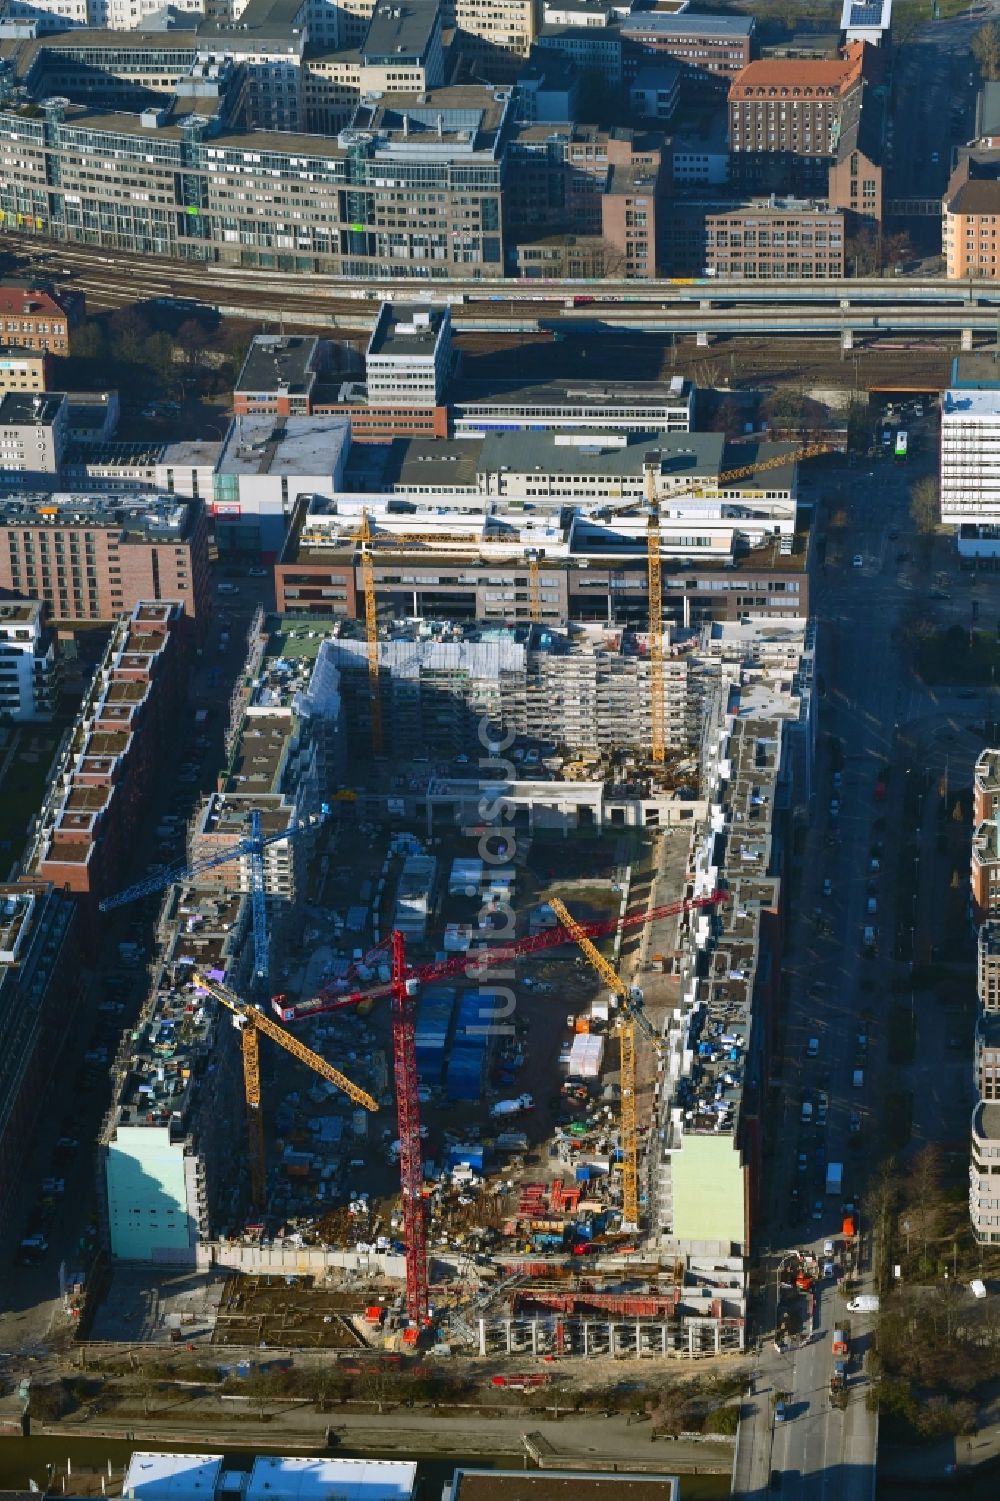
{"points": [[807, 1112], [869, 937], [858, 1078]]}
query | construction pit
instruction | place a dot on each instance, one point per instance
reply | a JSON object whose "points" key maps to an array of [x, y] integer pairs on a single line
{"points": [[528, 1253]]}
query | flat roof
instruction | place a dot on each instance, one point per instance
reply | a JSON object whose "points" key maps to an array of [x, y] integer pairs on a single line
{"points": [[680, 453], [866, 15], [401, 330], [296, 447], [685, 25], [279, 1478], [14, 610], [437, 461], [37, 408], [156, 1477], [131, 513], [972, 401], [279, 361], [264, 17], [562, 1485], [400, 33], [541, 394]]}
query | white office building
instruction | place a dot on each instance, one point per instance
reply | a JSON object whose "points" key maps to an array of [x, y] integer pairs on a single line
{"points": [[408, 358], [970, 468]]}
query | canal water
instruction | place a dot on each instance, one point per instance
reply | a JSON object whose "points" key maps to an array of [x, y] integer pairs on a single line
{"points": [[29, 1459]]}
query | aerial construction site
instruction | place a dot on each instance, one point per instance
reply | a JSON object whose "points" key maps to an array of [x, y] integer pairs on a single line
{"points": [[463, 997]]}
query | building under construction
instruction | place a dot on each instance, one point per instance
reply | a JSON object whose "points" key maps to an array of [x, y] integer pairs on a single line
{"points": [[573, 1183]]}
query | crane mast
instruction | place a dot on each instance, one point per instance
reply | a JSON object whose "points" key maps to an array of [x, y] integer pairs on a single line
{"points": [[411, 1157], [654, 591]]}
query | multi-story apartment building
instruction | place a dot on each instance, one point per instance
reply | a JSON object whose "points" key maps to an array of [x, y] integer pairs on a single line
{"points": [[985, 871], [771, 238], [24, 369], [986, 787], [711, 50], [592, 49], [984, 1166], [95, 557], [305, 203], [988, 981], [29, 680], [36, 319], [84, 839], [267, 39], [970, 216], [171, 1150], [40, 991]]}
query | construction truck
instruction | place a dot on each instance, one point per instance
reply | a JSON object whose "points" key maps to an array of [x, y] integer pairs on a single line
{"points": [[838, 1377]]}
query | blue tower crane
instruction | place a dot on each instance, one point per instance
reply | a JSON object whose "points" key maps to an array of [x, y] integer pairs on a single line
{"points": [[254, 845]]}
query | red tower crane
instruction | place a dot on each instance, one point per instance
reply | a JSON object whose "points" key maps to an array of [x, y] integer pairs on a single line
{"points": [[402, 989]]}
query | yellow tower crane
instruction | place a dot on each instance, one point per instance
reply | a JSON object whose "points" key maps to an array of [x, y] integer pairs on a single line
{"points": [[534, 587], [632, 1016], [252, 1022], [654, 592], [366, 541]]}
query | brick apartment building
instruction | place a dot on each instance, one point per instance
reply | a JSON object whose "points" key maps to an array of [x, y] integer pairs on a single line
{"points": [[984, 876], [986, 787], [123, 735], [40, 990], [756, 241], [814, 126], [970, 217], [33, 318], [95, 557]]}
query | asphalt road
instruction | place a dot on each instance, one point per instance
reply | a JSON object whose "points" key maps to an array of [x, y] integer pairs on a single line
{"points": [[933, 102], [872, 701]]}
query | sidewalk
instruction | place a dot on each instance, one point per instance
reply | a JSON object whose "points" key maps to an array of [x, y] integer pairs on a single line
{"points": [[423, 1433]]}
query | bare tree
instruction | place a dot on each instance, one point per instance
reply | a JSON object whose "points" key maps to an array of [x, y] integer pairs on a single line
{"points": [[986, 50], [924, 505]]}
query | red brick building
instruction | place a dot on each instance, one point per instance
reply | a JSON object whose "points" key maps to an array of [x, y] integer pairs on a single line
{"points": [[95, 557], [811, 125], [123, 736], [36, 319]]}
